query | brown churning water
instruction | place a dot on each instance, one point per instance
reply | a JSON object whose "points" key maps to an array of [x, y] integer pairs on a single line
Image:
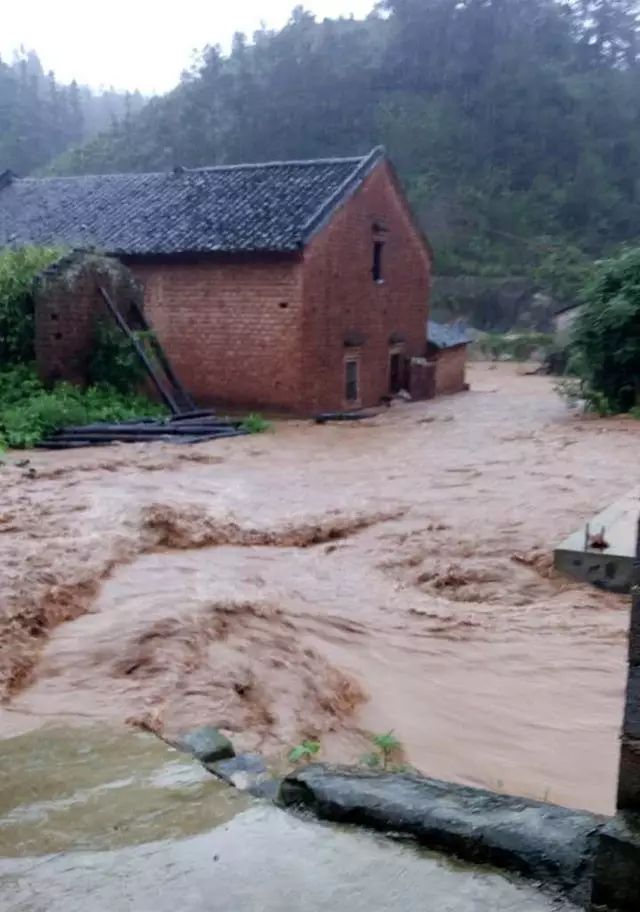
{"points": [[334, 581]]}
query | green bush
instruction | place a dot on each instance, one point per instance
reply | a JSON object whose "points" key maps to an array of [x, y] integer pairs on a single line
{"points": [[114, 361], [29, 412], [255, 424], [18, 271], [516, 346], [604, 350]]}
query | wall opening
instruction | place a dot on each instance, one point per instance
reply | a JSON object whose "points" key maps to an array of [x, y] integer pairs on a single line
{"points": [[352, 381], [396, 372], [376, 268]]}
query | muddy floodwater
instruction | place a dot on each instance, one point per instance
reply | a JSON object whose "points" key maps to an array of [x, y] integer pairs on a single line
{"points": [[331, 582], [95, 819]]}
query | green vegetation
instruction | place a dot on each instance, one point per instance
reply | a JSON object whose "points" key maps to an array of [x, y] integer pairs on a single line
{"points": [[604, 350], [114, 361], [41, 118], [18, 271], [255, 424], [29, 412], [515, 124], [514, 346], [387, 747], [304, 752], [565, 273]]}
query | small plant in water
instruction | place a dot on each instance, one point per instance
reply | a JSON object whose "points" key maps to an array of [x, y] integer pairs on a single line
{"points": [[304, 752], [255, 424], [387, 746]]}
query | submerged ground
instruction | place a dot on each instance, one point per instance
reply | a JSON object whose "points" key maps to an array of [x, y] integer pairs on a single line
{"points": [[330, 582]]}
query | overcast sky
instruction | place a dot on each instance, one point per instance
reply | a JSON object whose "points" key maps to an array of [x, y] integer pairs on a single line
{"points": [[142, 44]]}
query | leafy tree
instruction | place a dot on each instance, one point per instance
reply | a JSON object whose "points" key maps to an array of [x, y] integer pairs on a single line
{"points": [[564, 273], [41, 118], [18, 271], [605, 345], [515, 124]]}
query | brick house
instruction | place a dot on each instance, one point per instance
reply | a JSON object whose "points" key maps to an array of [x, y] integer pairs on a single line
{"points": [[300, 286], [447, 347]]}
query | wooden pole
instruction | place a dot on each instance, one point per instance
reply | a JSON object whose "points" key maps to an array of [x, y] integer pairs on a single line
{"points": [[122, 323]]}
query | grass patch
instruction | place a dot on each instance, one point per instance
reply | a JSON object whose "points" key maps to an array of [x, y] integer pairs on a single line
{"points": [[516, 346], [256, 424], [29, 412]]}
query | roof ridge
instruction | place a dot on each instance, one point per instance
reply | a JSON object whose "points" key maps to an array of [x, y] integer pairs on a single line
{"points": [[337, 160], [354, 160]]}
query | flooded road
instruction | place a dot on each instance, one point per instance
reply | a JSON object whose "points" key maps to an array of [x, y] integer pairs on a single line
{"points": [[105, 820], [97, 788], [331, 582]]}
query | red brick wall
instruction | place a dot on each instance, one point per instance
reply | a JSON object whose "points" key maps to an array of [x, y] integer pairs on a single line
{"points": [[226, 329], [67, 306], [64, 330], [341, 298], [450, 370]]}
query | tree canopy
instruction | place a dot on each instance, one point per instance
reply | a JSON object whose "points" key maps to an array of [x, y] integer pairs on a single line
{"points": [[515, 124], [40, 118], [605, 344]]}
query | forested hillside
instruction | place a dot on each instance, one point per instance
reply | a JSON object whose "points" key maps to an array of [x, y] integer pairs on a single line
{"points": [[40, 118], [514, 123]]}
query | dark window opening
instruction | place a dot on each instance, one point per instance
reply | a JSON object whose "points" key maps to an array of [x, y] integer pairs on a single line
{"points": [[54, 316], [283, 305], [351, 381], [57, 336], [376, 269], [396, 377]]}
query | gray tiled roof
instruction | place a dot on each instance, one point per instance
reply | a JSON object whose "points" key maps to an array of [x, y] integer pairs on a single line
{"points": [[448, 335], [263, 207]]}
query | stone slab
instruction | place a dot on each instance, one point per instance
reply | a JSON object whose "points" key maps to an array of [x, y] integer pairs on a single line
{"points": [[611, 568], [547, 843], [207, 744], [242, 771]]}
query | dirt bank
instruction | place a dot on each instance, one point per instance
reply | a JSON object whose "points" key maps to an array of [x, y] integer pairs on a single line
{"points": [[334, 580]]}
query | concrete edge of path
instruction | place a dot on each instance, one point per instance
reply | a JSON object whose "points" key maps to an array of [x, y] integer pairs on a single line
{"points": [[553, 845]]}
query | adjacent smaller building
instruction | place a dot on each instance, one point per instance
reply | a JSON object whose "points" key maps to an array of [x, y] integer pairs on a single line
{"points": [[447, 347]]}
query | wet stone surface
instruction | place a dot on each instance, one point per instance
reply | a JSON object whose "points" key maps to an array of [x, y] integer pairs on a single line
{"points": [[264, 859], [243, 771], [99, 788], [96, 819], [207, 744], [551, 844]]}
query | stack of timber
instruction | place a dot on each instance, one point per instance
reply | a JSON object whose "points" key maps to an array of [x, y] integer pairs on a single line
{"points": [[189, 427]]}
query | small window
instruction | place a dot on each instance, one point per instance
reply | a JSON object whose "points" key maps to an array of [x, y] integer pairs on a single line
{"points": [[376, 269], [351, 381]]}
